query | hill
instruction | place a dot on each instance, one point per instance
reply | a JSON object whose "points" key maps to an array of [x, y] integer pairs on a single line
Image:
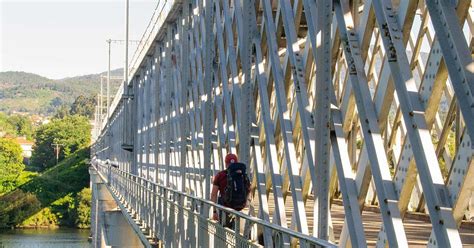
{"points": [[35, 94]]}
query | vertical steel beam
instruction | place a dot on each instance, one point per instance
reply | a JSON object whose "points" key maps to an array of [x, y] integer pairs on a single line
{"points": [[322, 88], [246, 34]]}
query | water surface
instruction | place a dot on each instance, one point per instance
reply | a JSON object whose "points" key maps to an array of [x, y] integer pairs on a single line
{"points": [[39, 238]]}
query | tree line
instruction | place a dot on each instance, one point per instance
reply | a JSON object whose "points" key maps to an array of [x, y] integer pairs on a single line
{"points": [[69, 129], [49, 192]]}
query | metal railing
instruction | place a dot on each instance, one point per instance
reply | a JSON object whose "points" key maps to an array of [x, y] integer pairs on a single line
{"points": [[143, 44], [148, 36], [157, 19], [178, 219]]}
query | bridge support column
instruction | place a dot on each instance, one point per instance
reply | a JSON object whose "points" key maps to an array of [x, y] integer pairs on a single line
{"points": [[109, 227]]}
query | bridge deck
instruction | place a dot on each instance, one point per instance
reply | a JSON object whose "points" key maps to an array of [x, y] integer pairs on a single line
{"points": [[417, 226]]}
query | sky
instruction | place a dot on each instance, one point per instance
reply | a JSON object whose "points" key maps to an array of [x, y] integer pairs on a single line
{"points": [[66, 38]]}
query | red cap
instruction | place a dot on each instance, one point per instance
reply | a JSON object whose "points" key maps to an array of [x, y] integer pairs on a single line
{"points": [[230, 158]]}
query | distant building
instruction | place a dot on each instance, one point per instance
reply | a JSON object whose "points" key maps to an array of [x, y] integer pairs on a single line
{"points": [[27, 147]]}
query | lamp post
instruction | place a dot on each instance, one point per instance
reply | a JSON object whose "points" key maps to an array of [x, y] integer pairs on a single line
{"points": [[108, 81], [109, 77], [125, 77]]}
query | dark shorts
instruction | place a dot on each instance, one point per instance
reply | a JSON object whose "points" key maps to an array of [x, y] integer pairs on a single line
{"points": [[227, 219]]}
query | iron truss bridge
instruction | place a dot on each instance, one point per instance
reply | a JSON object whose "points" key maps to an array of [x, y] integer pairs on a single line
{"points": [[354, 118]]}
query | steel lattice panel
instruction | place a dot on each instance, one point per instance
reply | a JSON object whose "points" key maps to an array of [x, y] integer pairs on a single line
{"points": [[368, 102]]}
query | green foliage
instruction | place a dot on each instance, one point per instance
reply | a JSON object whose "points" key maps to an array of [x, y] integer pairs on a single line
{"points": [[71, 132], [62, 112], [64, 210], [84, 106], [5, 126], [17, 206], [56, 102], [11, 164], [68, 176], [83, 208], [54, 198], [24, 177], [27, 92], [49, 199], [451, 145], [22, 125], [16, 125], [44, 218], [10, 152]]}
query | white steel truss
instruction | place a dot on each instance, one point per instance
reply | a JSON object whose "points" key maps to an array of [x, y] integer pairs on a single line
{"points": [[368, 102]]}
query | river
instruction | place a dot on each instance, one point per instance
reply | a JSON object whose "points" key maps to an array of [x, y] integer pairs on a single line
{"points": [[44, 238]]}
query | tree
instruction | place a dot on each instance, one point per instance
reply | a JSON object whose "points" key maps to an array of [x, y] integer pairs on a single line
{"points": [[83, 208], [11, 163], [62, 111], [84, 106], [71, 132], [56, 102], [5, 126], [22, 125]]}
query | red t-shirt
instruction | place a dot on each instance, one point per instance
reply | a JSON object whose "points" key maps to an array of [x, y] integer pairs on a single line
{"points": [[220, 180]]}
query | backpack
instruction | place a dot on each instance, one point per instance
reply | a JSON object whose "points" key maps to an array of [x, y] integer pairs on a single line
{"points": [[238, 186]]}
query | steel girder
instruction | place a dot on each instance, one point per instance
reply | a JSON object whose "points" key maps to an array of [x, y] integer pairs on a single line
{"points": [[367, 101]]}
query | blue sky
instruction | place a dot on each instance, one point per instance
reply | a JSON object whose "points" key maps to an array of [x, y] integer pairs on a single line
{"points": [[66, 38]]}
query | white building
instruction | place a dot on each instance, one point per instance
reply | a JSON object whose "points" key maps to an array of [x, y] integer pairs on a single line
{"points": [[27, 147]]}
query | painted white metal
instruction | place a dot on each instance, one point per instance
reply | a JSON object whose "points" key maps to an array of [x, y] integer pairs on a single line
{"points": [[258, 78]]}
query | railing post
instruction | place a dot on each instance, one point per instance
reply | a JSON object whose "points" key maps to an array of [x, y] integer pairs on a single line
{"points": [[172, 219], [154, 208], [140, 195], [237, 231], [146, 205], [191, 224], [135, 195], [160, 213]]}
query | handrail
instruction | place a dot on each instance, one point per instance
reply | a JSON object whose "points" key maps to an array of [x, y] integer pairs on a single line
{"points": [[138, 55], [147, 33], [283, 230]]}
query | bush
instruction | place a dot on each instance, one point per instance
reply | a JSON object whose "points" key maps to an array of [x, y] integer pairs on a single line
{"points": [[17, 206], [11, 164], [83, 208], [44, 218]]}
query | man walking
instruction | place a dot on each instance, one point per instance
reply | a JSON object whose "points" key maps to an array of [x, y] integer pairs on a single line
{"points": [[230, 188]]}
